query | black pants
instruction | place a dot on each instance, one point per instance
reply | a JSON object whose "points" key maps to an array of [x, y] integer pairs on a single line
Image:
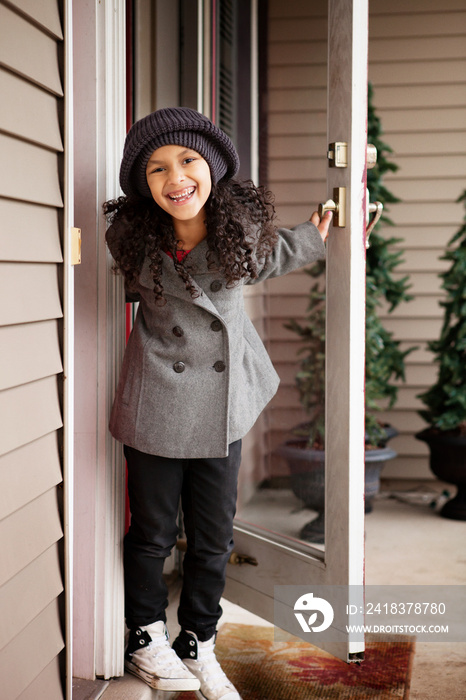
{"points": [[208, 489]]}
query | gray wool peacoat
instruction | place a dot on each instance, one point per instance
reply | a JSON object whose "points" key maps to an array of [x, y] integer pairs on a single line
{"points": [[195, 374]]}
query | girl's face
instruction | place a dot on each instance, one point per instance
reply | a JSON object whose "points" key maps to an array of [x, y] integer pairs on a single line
{"points": [[180, 182]]}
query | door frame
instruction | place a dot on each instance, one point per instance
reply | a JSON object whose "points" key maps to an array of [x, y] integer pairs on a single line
{"points": [[99, 88], [100, 128], [68, 347]]}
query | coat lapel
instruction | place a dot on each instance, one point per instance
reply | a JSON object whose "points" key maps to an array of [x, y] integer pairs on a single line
{"points": [[174, 285]]}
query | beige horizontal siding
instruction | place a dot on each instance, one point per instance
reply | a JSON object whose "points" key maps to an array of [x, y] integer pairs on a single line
{"points": [[297, 176], [31, 224], [421, 100], [435, 118], [420, 96], [44, 13], [434, 24], [422, 73], [279, 123], [426, 306], [37, 585], [28, 412], [298, 99], [27, 472], [303, 8], [28, 352], [20, 543], [42, 185], [416, 48], [289, 170], [421, 282], [426, 214], [27, 50], [15, 119], [303, 52], [32, 292], [313, 28], [417, 65], [39, 643], [421, 306], [29, 232], [44, 686]]}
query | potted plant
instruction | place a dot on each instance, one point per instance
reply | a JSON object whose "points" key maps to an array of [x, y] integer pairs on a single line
{"points": [[445, 400], [384, 358]]}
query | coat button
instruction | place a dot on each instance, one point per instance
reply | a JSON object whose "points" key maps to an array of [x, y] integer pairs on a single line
{"points": [[178, 331], [216, 286], [219, 366], [179, 367], [216, 325]]}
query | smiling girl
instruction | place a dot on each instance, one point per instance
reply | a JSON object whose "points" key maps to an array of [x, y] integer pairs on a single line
{"points": [[187, 236]]}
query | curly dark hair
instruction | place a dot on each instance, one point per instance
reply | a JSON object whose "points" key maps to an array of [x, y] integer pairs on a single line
{"points": [[240, 233]]}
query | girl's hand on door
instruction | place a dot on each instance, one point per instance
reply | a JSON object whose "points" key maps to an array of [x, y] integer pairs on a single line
{"points": [[323, 223]]}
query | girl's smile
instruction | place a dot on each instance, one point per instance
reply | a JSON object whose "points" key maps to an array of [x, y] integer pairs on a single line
{"points": [[183, 196], [180, 182]]}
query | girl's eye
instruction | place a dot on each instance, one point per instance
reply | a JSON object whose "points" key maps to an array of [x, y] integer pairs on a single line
{"points": [[189, 160], [155, 170]]}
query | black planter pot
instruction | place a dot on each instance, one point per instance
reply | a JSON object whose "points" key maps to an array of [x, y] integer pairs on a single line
{"points": [[307, 469], [448, 463]]}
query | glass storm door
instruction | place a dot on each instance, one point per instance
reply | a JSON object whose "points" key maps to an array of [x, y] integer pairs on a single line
{"points": [[282, 559]]}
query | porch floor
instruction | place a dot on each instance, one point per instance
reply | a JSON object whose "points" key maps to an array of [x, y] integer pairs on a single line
{"points": [[406, 543]]}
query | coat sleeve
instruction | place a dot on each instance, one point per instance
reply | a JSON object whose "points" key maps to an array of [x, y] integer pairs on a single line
{"points": [[296, 247]]}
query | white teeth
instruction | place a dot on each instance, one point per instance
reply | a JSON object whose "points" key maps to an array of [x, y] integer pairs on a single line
{"points": [[181, 195]]}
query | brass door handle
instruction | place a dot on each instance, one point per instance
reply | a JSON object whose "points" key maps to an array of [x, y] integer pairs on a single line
{"points": [[337, 205], [375, 208], [329, 205]]}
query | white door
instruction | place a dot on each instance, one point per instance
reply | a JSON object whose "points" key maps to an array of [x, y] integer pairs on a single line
{"points": [[287, 566]]}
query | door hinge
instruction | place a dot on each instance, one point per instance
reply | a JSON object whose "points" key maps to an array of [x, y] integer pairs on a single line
{"points": [[235, 558], [75, 245]]}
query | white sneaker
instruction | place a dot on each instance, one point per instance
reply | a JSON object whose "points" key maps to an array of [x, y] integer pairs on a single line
{"points": [[149, 656], [199, 658]]}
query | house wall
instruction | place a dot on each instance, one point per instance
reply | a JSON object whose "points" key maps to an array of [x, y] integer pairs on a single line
{"points": [[417, 54], [417, 61], [31, 217]]}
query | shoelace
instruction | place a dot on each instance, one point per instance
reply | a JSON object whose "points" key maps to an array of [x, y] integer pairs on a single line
{"points": [[164, 654], [213, 674]]}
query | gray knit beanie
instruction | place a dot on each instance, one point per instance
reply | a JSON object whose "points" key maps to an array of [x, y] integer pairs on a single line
{"points": [[179, 126]]}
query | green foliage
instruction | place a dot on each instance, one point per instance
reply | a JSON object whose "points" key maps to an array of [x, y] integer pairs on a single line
{"points": [[384, 358], [385, 361], [446, 399], [382, 259]]}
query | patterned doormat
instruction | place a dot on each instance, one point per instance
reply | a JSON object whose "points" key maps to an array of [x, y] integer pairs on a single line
{"points": [[286, 668]]}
